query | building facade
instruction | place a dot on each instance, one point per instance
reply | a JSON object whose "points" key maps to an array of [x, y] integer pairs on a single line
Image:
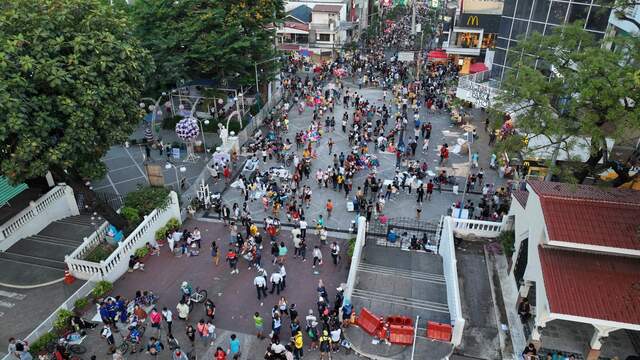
{"points": [[521, 18]]}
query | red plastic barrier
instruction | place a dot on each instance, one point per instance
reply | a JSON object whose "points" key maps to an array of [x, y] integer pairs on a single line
{"points": [[406, 321], [395, 320], [368, 321], [439, 331], [401, 334]]}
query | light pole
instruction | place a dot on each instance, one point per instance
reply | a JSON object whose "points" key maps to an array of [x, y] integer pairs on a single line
{"points": [[155, 108], [255, 65], [183, 169]]}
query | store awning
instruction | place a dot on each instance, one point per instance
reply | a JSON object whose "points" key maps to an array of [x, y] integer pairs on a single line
{"points": [[8, 191], [477, 67], [438, 54]]}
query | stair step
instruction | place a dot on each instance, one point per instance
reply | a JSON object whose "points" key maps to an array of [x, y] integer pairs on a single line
{"points": [[407, 274], [57, 240], [50, 242], [67, 231], [40, 249], [400, 300], [33, 260], [82, 221]]}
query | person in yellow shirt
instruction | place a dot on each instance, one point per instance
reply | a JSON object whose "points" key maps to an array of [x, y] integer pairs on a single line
{"points": [[298, 345]]}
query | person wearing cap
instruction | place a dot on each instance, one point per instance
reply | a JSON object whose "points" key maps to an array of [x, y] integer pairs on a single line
{"points": [[276, 279], [325, 345], [310, 318], [312, 332]]}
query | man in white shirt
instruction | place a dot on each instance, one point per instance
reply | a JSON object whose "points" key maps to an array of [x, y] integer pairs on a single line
{"points": [[310, 318], [276, 279], [167, 315], [303, 228], [283, 273], [261, 286]]}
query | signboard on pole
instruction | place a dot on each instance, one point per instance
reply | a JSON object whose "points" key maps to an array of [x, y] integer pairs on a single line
{"points": [[406, 56]]}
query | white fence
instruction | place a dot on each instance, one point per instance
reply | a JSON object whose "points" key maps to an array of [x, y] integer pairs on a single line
{"points": [[117, 263], [488, 229], [47, 324], [355, 258], [450, 268], [57, 204]]}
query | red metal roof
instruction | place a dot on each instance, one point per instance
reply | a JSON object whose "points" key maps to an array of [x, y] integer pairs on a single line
{"points": [[596, 286], [327, 8], [590, 215], [297, 26], [521, 196]]}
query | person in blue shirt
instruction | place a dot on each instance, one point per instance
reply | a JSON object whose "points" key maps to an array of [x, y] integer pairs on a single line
{"points": [[234, 346], [134, 338]]}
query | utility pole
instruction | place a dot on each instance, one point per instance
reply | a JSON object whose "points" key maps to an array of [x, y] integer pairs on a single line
{"points": [[413, 18]]}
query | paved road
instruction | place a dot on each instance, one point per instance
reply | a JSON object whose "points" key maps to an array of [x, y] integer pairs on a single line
{"points": [[400, 205]]}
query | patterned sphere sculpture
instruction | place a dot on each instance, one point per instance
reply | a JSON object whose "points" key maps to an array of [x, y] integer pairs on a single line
{"points": [[187, 129]]}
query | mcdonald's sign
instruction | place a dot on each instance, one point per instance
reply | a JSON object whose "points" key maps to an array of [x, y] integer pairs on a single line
{"points": [[473, 21]]}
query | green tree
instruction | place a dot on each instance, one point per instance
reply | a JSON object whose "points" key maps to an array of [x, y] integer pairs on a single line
{"points": [[207, 39], [71, 74], [567, 85]]}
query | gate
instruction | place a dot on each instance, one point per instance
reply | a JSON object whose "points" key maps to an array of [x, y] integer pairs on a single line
{"points": [[404, 228], [521, 262]]}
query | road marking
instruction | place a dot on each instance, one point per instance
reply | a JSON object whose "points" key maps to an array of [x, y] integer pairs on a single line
{"points": [[132, 179], [6, 304], [12, 295], [136, 164], [121, 168], [112, 184]]}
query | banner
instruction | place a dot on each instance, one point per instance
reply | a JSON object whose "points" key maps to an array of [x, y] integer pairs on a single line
{"points": [[492, 7], [490, 23]]}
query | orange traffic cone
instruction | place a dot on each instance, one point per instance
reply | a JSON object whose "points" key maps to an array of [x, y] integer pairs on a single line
{"points": [[68, 279]]}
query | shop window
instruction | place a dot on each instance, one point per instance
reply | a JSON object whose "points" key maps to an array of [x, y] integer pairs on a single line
{"points": [[558, 12], [324, 37], [467, 40], [489, 41], [524, 9]]}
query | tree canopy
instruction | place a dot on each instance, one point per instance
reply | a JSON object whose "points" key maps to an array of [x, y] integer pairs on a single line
{"points": [[567, 85], [71, 74], [209, 39]]}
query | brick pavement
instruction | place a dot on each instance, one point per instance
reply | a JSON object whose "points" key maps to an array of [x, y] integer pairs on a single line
{"points": [[234, 295]]}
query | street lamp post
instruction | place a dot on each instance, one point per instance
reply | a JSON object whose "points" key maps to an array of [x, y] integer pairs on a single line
{"points": [[155, 108], [255, 64], [183, 169]]}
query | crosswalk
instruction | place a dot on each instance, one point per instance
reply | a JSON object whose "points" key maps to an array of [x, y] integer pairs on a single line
{"points": [[9, 299]]}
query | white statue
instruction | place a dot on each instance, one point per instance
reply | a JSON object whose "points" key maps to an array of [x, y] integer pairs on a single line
{"points": [[224, 134]]}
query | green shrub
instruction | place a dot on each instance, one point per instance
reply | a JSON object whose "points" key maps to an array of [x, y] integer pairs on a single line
{"points": [[146, 199], [173, 224], [63, 320], [131, 214], [169, 123], [141, 252], [41, 343], [507, 240], [351, 248], [100, 252], [102, 287], [81, 303], [161, 233]]}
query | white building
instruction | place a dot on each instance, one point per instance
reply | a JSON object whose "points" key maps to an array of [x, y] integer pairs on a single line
{"points": [[577, 257], [624, 27], [319, 27]]}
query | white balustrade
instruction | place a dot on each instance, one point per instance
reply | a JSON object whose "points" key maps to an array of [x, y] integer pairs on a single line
{"points": [[117, 263], [447, 251], [56, 204], [488, 229]]}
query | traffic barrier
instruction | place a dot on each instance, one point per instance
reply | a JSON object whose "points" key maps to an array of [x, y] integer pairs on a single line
{"points": [[368, 321], [400, 320], [68, 278], [401, 334], [439, 331]]}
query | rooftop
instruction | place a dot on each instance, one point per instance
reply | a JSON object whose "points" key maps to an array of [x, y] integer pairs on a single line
{"points": [[301, 13], [590, 215], [327, 8], [590, 285], [521, 196]]}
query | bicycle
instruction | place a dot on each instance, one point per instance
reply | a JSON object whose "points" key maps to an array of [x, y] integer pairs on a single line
{"points": [[198, 296], [126, 341], [68, 345]]}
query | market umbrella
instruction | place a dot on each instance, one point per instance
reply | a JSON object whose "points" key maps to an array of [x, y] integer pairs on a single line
{"points": [[477, 67], [437, 54]]}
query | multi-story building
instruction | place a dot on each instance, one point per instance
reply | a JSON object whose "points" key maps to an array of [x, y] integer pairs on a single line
{"points": [[523, 17], [316, 27], [620, 27]]}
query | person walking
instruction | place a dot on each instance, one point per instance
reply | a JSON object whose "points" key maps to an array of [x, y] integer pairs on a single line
{"points": [[325, 345], [234, 347], [429, 189], [261, 286], [335, 252], [420, 192], [298, 345], [203, 332], [232, 259], [215, 252], [330, 144], [275, 279], [317, 256], [191, 335], [167, 315], [303, 228], [258, 321], [329, 208], [283, 273]]}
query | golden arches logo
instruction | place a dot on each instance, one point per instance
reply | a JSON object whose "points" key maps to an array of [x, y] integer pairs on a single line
{"points": [[473, 21]]}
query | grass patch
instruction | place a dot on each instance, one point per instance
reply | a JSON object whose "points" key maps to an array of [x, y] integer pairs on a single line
{"points": [[100, 252]]}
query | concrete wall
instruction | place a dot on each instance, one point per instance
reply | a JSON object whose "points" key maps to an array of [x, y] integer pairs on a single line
{"points": [[57, 204]]}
